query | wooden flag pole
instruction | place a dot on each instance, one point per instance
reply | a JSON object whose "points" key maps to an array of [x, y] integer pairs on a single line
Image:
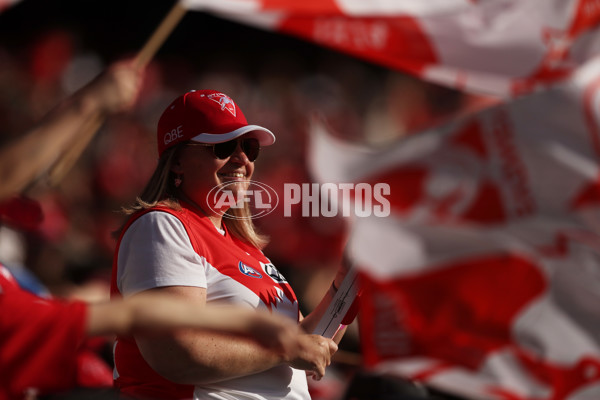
{"points": [[336, 312], [77, 146], [64, 164], [160, 34]]}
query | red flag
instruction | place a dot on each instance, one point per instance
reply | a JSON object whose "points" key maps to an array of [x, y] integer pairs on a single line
{"points": [[5, 4], [499, 47], [484, 279]]}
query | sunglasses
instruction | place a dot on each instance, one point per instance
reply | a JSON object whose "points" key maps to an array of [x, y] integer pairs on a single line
{"points": [[224, 150]]}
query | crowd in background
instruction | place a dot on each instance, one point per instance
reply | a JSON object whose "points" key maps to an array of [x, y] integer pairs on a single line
{"points": [[70, 253]]}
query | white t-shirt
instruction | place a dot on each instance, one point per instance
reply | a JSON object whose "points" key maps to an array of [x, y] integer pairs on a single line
{"points": [[157, 251]]}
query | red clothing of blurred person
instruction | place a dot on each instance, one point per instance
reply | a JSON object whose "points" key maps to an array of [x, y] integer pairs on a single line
{"points": [[41, 341], [43, 346]]}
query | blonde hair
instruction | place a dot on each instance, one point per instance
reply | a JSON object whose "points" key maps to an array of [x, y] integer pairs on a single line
{"points": [[161, 190]]}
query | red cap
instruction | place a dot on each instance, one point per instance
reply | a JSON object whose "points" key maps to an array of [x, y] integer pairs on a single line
{"points": [[205, 116]]}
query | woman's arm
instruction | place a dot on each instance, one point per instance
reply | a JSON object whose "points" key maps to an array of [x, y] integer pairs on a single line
{"points": [[195, 357]]}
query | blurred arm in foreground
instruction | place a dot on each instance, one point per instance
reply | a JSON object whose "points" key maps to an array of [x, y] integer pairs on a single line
{"points": [[156, 313]]}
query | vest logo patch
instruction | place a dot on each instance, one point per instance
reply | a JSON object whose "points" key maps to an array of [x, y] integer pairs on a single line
{"points": [[273, 273], [249, 271]]}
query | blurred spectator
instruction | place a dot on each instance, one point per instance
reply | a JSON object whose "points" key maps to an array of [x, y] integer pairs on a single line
{"points": [[112, 92]]}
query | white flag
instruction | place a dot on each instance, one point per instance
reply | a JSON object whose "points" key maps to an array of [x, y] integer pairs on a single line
{"points": [[484, 280]]}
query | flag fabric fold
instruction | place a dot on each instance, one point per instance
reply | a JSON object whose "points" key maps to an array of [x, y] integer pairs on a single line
{"points": [[498, 47], [484, 279], [6, 4]]}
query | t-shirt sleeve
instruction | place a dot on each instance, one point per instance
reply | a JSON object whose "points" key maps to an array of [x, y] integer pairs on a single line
{"points": [[156, 251]]}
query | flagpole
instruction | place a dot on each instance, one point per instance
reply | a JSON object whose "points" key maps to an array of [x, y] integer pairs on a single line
{"points": [[160, 34], [331, 322], [89, 129]]}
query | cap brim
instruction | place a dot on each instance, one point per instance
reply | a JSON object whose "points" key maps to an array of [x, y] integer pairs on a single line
{"points": [[265, 137]]}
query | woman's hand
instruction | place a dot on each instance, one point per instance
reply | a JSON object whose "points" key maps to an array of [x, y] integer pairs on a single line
{"points": [[313, 354]]}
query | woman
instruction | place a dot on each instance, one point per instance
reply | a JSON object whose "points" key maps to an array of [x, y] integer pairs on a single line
{"points": [[178, 242]]}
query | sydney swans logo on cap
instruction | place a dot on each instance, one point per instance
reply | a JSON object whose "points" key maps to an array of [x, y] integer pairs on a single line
{"points": [[224, 101]]}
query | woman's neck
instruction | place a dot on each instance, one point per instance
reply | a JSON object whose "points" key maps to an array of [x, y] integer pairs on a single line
{"points": [[216, 219]]}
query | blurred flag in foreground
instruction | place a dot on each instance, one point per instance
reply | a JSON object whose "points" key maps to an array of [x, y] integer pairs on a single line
{"points": [[4, 4], [484, 280], [498, 47]]}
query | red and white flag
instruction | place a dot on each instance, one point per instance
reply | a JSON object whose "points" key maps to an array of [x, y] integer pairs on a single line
{"points": [[498, 47], [484, 280], [5, 4]]}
